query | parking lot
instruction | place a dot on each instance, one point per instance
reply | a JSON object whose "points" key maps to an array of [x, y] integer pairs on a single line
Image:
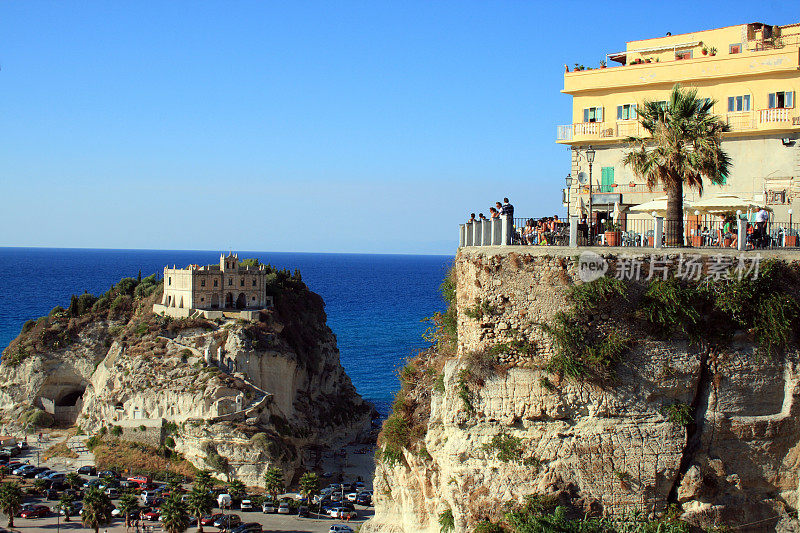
{"points": [[55, 523]]}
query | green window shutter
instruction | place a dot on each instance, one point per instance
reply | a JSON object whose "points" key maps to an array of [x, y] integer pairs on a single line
{"points": [[731, 104], [599, 114], [789, 99], [771, 99], [746, 106], [619, 112], [606, 179], [633, 111], [586, 115]]}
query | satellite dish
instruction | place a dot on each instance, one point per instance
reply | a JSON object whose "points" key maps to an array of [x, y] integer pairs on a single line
{"points": [[583, 179]]}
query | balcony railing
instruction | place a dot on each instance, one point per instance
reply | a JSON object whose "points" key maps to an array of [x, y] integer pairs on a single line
{"points": [[743, 121], [776, 115]]}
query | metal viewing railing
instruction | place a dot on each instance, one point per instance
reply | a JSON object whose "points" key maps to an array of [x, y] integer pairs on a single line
{"points": [[656, 232]]}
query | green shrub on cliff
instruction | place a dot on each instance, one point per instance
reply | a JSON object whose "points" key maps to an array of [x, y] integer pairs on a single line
{"points": [[588, 296], [583, 353], [671, 306], [446, 521], [38, 418]]}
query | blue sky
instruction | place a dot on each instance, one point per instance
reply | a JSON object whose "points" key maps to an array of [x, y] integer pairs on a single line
{"points": [[297, 126]]}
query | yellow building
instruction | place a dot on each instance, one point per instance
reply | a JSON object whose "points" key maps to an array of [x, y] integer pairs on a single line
{"points": [[751, 71]]}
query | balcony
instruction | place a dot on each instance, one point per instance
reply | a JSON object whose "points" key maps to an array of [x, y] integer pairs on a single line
{"points": [[667, 73], [765, 120], [592, 131]]}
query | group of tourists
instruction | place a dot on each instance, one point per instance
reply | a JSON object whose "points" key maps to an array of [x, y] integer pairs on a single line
{"points": [[504, 208], [540, 232]]}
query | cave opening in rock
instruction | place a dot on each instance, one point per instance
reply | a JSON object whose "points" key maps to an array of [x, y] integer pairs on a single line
{"points": [[71, 398]]}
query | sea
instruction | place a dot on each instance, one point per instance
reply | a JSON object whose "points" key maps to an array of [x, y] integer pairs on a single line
{"points": [[375, 303]]}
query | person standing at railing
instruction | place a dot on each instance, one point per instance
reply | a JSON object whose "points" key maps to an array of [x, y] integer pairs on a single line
{"points": [[472, 218], [494, 213], [507, 210], [762, 218]]}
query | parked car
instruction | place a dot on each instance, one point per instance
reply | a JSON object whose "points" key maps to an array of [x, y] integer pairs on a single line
{"points": [[51, 494], [340, 528], [364, 499], [149, 496], [87, 470], [140, 479], [11, 451], [34, 511], [56, 476], [108, 473], [209, 520], [352, 496], [20, 470], [129, 484], [224, 501], [151, 514], [269, 507], [43, 473], [283, 508], [249, 527], [246, 505], [303, 511], [112, 493], [34, 472], [228, 521], [22, 445]]}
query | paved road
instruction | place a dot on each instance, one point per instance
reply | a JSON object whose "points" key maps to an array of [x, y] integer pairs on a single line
{"points": [[272, 524]]}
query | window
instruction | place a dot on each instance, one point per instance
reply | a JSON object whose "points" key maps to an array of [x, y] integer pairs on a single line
{"points": [[626, 112], [254, 298], [735, 48], [230, 282], [781, 100], [215, 283], [202, 299], [202, 283], [241, 282], [685, 54], [593, 114], [254, 283], [169, 282], [738, 103]]}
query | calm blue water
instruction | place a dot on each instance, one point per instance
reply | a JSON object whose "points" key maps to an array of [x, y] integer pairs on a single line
{"points": [[374, 303]]}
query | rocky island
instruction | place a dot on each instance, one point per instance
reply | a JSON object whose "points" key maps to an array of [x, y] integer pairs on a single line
{"points": [[236, 391]]}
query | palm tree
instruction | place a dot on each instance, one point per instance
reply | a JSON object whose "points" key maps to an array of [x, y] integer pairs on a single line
{"points": [[685, 147], [73, 480], [128, 503], [203, 479], [273, 482], [96, 509], [236, 489], [65, 504], [4, 471], [174, 516], [200, 503], [10, 500], [309, 485]]}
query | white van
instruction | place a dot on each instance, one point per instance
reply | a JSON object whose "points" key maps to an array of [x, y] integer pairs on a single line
{"points": [[224, 501]]}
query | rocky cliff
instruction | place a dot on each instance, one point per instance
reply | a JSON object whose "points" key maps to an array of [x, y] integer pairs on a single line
{"points": [[236, 396], [548, 399]]}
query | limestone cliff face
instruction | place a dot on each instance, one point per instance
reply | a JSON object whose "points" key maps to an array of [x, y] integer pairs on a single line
{"points": [[607, 446], [242, 395]]}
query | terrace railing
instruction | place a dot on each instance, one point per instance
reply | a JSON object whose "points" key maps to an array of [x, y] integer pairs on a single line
{"points": [[693, 232]]}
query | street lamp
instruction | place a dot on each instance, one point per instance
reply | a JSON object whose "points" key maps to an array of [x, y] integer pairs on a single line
{"points": [[590, 159], [568, 181]]}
